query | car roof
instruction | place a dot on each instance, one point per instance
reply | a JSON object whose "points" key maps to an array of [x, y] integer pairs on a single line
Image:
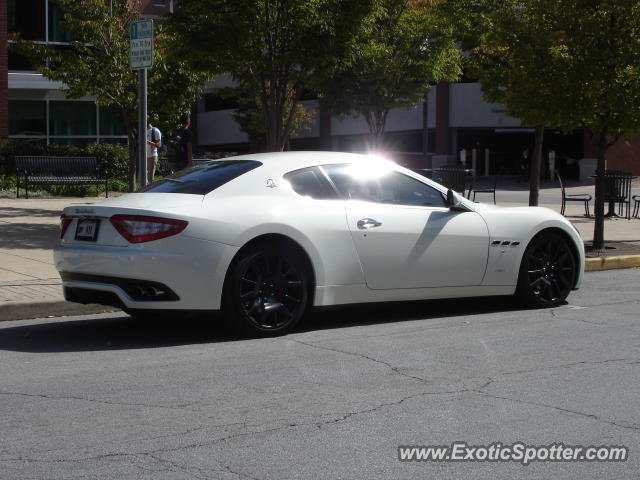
{"points": [[282, 162]]}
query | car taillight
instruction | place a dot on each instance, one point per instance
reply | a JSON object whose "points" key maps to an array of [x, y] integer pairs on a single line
{"points": [[141, 228], [64, 225]]}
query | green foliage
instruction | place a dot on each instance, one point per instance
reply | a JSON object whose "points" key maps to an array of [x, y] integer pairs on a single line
{"points": [[173, 84], [97, 64], [7, 182], [250, 113], [468, 19], [274, 48], [568, 70], [567, 64], [71, 190], [12, 148], [401, 48], [111, 158]]}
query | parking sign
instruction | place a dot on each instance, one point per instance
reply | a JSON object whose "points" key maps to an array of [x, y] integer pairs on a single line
{"points": [[141, 44]]}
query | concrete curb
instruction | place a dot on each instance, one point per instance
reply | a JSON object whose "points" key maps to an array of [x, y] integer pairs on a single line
{"points": [[611, 263], [55, 308]]}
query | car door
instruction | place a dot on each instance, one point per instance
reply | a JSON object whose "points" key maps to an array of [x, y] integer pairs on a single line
{"points": [[405, 235]]}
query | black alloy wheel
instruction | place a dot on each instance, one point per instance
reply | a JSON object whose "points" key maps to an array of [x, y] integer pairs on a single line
{"points": [[547, 271], [266, 293]]}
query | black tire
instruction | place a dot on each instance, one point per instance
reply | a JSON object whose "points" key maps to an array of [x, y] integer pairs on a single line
{"points": [[547, 272], [266, 291]]}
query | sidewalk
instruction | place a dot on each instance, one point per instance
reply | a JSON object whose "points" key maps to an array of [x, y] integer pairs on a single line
{"points": [[30, 286]]}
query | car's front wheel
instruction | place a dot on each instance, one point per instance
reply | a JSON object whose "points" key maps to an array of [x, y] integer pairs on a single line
{"points": [[547, 272], [266, 291]]}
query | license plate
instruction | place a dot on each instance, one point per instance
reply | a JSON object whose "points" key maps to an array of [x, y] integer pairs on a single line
{"points": [[87, 230]]}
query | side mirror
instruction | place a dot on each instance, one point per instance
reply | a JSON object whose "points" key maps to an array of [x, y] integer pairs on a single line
{"points": [[453, 201]]}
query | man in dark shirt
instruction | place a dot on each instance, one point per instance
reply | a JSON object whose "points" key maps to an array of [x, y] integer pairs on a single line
{"points": [[186, 137]]}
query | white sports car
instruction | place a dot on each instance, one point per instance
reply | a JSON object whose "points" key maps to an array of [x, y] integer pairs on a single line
{"points": [[265, 237]]}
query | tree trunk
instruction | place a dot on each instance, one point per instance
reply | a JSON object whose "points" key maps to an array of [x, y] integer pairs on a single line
{"points": [[536, 162], [376, 121], [288, 124], [272, 132], [254, 142], [598, 227], [270, 115], [375, 140]]}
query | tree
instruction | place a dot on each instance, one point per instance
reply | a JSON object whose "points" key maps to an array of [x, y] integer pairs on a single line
{"points": [[402, 47], [504, 45], [173, 85], [96, 63], [277, 48], [250, 114], [569, 64]]}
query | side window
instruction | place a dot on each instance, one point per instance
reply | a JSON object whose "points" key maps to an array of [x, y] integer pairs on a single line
{"points": [[310, 182], [383, 186]]}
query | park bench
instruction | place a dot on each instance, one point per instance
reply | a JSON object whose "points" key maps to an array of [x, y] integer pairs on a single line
{"points": [[47, 170]]}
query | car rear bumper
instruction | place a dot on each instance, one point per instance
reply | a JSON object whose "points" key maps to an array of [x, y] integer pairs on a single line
{"points": [[142, 277]]}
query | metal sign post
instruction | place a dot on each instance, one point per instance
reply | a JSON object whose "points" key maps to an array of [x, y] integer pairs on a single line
{"points": [[142, 126], [141, 58]]}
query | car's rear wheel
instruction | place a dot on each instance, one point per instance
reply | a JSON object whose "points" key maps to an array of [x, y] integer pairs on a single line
{"points": [[266, 291], [547, 272]]}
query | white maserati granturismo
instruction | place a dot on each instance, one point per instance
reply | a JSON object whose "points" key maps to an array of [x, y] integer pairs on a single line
{"points": [[265, 237]]}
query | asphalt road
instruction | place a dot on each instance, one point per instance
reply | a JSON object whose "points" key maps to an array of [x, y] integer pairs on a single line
{"points": [[113, 397]]}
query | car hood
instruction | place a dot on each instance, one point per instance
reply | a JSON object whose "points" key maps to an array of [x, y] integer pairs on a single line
{"points": [[481, 207], [516, 209], [487, 207]]}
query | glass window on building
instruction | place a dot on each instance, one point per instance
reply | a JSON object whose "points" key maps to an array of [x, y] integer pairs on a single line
{"points": [[214, 103], [111, 122], [27, 117], [404, 142], [28, 18], [56, 34], [19, 62], [76, 142], [72, 118], [83, 142], [70, 122]]}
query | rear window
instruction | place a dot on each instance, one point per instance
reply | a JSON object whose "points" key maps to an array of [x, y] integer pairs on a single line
{"points": [[202, 179], [310, 182]]}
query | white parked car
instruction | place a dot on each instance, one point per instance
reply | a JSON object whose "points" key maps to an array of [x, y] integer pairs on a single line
{"points": [[265, 237]]}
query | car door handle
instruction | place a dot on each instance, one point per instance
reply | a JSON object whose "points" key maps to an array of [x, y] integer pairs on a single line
{"points": [[367, 223]]}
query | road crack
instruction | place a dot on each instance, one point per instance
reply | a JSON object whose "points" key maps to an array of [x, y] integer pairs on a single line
{"points": [[627, 361], [184, 406], [393, 368], [589, 416]]}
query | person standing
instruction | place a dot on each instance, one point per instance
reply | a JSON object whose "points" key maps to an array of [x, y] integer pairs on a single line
{"points": [[154, 140], [186, 141], [524, 164]]}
